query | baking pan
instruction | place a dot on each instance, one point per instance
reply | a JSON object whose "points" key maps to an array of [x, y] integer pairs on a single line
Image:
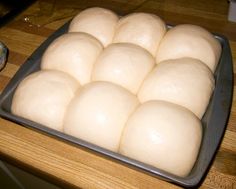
{"points": [[214, 121]]}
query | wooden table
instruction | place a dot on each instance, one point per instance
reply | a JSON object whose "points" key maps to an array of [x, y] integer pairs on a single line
{"points": [[67, 165]]}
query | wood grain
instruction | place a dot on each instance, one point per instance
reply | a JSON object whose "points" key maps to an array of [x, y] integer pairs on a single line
{"points": [[62, 162]]}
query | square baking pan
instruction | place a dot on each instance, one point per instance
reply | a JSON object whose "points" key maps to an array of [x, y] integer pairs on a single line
{"points": [[214, 121]]}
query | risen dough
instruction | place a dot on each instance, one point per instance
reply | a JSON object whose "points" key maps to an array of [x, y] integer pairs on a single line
{"points": [[164, 135], [99, 112], [190, 41], [43, 97], [141, 29], [124, 64], [98, 22], [187, 82], [73, 53]]}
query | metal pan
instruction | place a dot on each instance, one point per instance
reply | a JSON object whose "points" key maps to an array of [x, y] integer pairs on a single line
{"points": [[214, 121]]}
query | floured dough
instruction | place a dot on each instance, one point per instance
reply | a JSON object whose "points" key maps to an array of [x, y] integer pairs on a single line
{"points": [[43, 97], [164, 135]]}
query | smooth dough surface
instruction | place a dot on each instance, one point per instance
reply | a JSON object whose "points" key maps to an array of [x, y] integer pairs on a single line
{"points": [[186, 81], [143, 29], [190, 41], [73, 53], [124, 64], [98, 22], [164, 135], [43, 97], [98, 113]]}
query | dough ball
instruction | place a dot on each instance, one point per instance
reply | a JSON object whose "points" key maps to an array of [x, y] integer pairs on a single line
{"points": [[124, 64], [190, 41], [187, 82], [98, 22], [145, 30], [164, 135], [98, 113], [73, 53], [43, 97]]}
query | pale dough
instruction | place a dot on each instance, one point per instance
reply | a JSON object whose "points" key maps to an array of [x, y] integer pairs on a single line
{"points": [[73, 53], [190, 41], [164, 135], [142, 29], [98, 113], [98, 22], [186, 81], [43, 97], [124, 64]]}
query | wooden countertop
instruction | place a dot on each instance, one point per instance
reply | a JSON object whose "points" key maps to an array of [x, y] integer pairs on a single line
{"points": [[72, 166]]}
